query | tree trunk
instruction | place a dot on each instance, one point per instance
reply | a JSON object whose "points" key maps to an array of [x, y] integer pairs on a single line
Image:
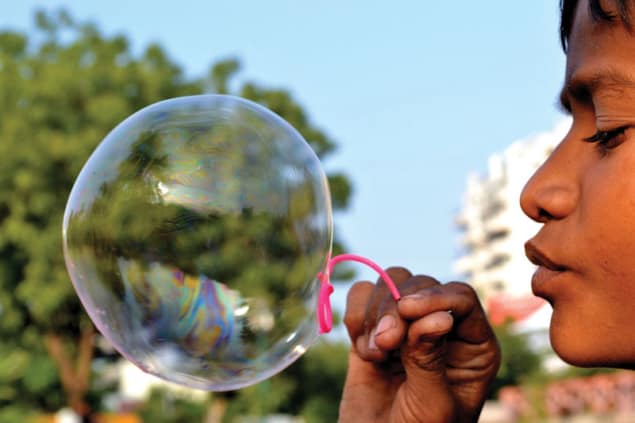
{"points": [[216, 410], [74, 371]]}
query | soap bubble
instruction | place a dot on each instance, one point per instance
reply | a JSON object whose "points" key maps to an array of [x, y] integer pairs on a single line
{"points": [[194, 236]]}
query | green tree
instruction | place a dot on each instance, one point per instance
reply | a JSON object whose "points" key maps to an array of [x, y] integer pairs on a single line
{"points": [[164, 406], [311, 388], [63, 88], [519, 361]]}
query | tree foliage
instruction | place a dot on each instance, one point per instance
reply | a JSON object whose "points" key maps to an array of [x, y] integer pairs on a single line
{"points": [[163, 406], [311, 388], [519, 361], [63, 88]]}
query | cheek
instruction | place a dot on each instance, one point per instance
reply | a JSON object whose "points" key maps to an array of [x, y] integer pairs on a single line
{"points": [[591, 322], [592, 327], [606, 222]]}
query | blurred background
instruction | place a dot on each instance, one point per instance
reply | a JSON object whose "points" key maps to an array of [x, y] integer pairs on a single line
{"points": [[428, 118]]}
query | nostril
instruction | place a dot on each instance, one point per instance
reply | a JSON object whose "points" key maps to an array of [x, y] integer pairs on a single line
{"points": [[544, 216], [528, 204], [532, 209], [548, 200]]}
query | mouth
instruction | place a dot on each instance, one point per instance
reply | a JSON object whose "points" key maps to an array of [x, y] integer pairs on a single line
{"points": [[540, 259], [547, 269]]}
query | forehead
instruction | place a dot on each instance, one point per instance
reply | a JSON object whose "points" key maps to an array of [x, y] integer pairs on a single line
{"points": [[598, 44]]}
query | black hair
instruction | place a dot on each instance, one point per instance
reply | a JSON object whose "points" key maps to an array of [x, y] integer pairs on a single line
{"points": [[567, 12]]}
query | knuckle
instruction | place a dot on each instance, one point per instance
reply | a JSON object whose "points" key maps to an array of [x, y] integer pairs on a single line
{"points": [[417, 283], [425, 281], [388, 305], [349, 320], [356, 303], [462, 288], [358, 290], [399, 274]]}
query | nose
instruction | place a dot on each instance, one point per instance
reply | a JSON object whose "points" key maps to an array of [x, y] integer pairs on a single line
{"points": [[551, 193]]}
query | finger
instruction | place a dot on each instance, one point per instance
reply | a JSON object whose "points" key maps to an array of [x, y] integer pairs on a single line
{"points": [[390, 328], [386, 329], [399, 276], [423, 360], [381, 293], [429, 329], [424, 354], [383, 329], [471, 324], [357, 301], [379, 299]]}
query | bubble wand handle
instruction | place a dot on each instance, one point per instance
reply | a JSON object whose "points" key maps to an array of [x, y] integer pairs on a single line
{"points": [[325, 311]]}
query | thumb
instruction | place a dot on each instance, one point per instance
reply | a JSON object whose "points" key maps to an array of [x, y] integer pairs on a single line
{"points": [[423, 356], [368, 392], [425, 395]]}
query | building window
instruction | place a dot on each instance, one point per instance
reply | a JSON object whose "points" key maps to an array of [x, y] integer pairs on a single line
{"points": [[494, 235], [498, 286], [497, 260]]}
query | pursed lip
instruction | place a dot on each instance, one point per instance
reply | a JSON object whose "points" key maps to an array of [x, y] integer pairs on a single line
{"points": [[547, 269], [537, 257]]}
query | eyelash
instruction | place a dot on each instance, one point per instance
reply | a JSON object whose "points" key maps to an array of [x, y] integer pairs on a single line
{"points": [[607, 140]]}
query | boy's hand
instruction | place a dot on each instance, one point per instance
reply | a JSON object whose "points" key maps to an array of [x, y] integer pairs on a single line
{"points": [[430, 357]]}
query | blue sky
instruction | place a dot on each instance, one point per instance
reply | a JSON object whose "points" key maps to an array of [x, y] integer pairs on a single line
{"points": [[415, 94]]}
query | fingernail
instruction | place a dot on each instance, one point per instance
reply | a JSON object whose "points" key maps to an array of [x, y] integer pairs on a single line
{"points": [[371, 340], [385, 323], [412, 297]]}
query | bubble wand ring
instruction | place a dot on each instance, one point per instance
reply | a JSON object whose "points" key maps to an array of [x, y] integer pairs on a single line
{"points": [[325, 311]]}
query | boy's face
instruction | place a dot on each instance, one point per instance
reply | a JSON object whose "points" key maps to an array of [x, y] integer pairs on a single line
{"points": [[585, 196]]}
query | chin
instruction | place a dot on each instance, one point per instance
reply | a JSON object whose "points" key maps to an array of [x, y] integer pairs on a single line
{"points": [[583, 349], [574, 355], [572, 341]]}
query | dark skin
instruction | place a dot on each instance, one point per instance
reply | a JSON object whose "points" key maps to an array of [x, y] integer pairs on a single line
{"points": [[430, 366], [429, 357]]}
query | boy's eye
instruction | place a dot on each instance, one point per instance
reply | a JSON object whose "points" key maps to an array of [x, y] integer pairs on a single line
{"points": [[608, 140]]}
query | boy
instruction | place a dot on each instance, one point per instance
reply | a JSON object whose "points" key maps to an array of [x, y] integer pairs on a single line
{"points": [[413, 361]]}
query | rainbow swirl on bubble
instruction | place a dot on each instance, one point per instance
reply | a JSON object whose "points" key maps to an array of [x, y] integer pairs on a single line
{"points": [[195, 312]]}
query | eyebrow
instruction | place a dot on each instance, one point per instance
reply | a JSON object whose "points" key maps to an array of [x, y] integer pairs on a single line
{"points": [[582, 88]]}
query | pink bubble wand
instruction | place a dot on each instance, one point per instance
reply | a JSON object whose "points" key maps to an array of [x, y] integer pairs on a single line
{"points": [[324, 311]]}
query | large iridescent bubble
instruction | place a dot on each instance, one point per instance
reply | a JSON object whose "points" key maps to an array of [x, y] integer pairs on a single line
{"points": [[194, 235]]}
